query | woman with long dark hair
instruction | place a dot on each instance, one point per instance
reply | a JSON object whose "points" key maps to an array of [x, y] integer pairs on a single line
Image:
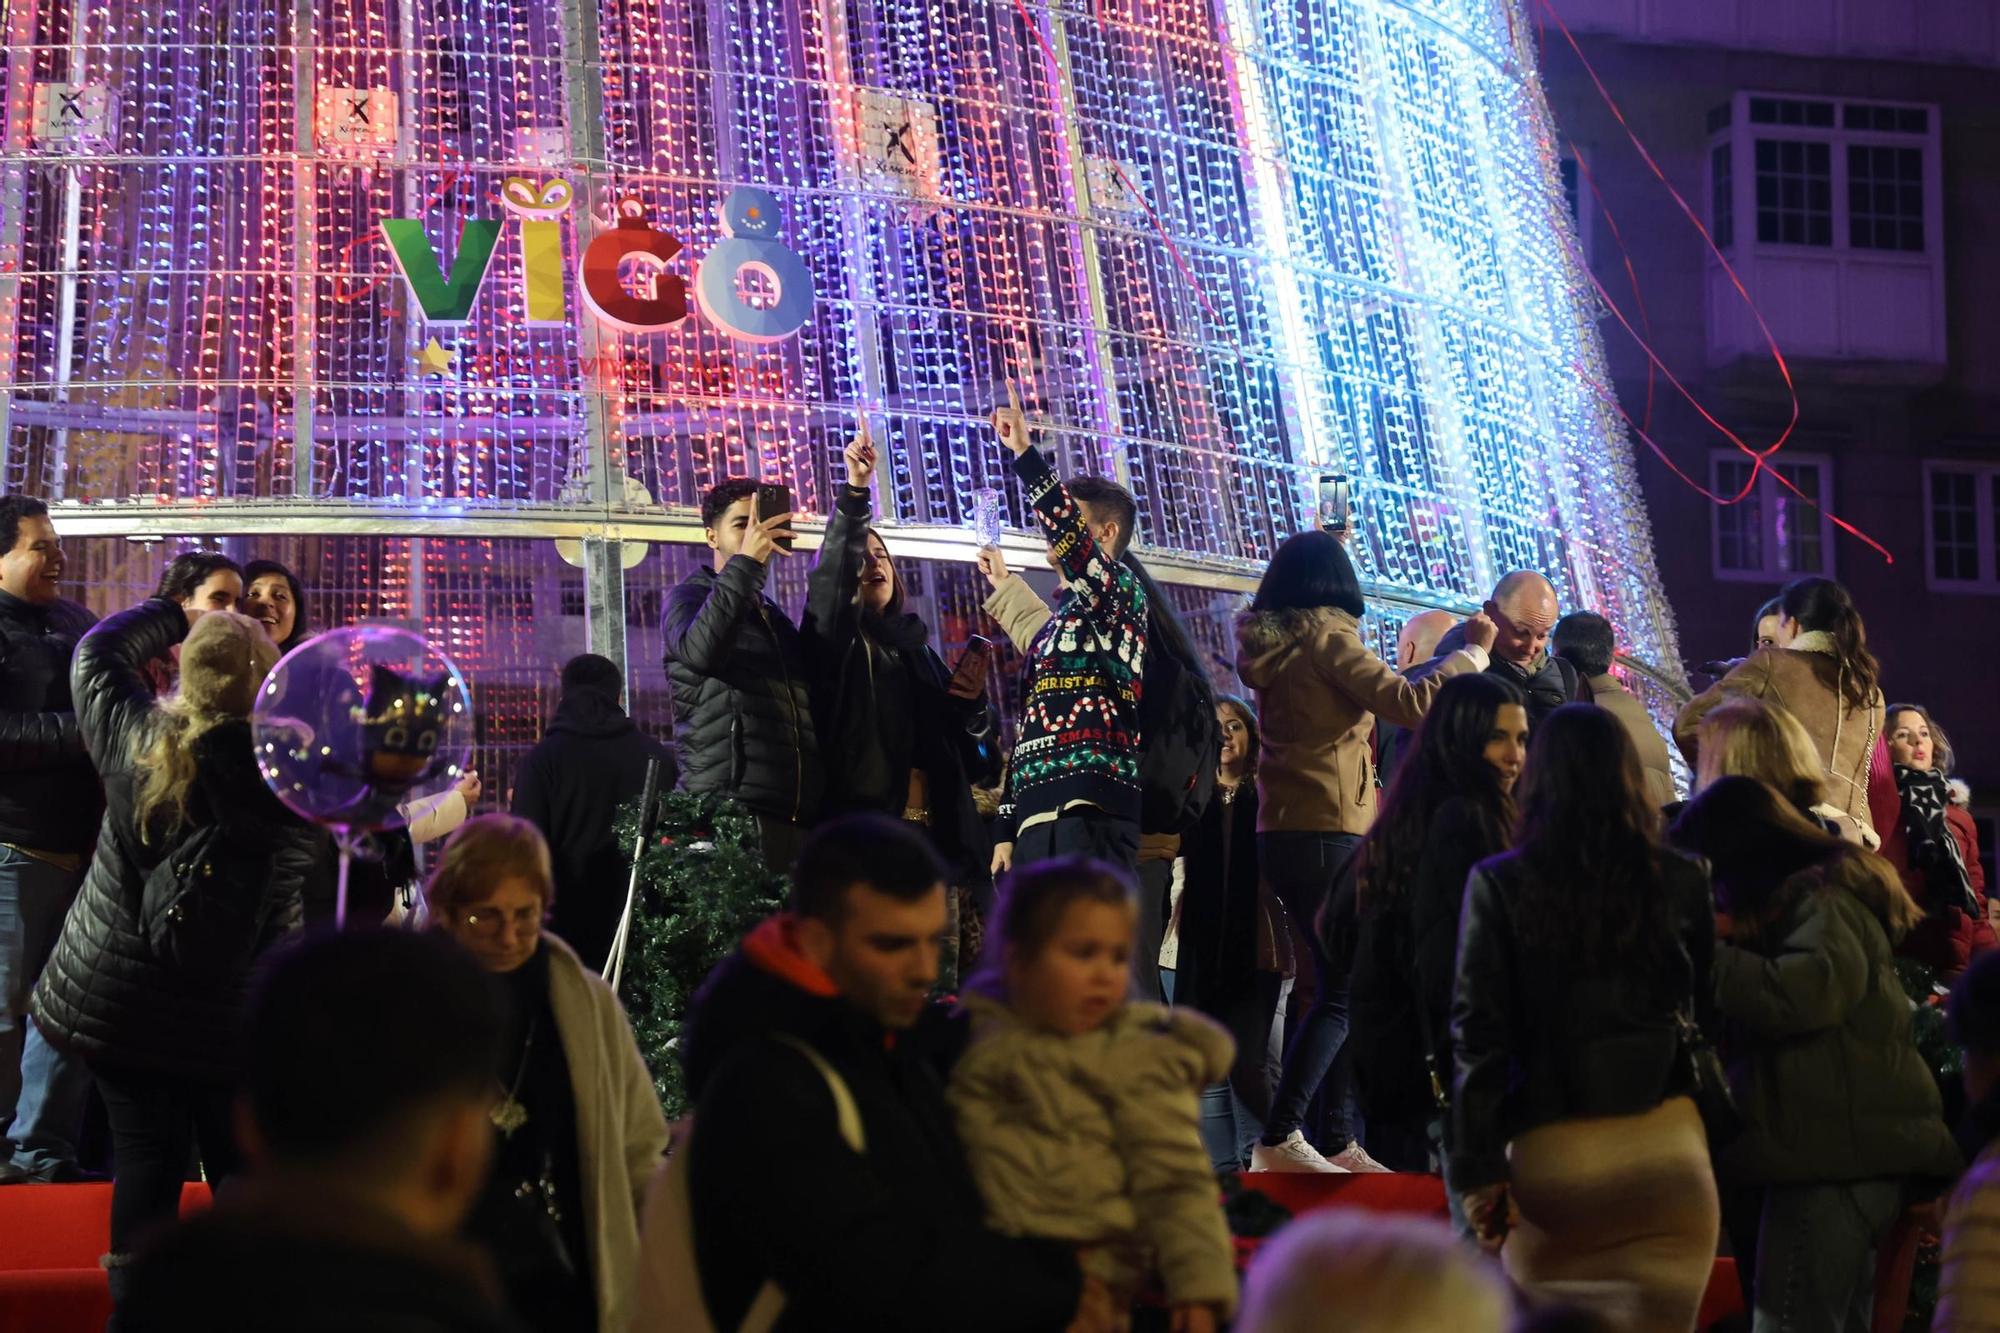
{"points": [[904, 737], [1822, 671], [274, 595], [1235, 953], [1319, 690], [1579, 954], [1940, 847], [1841, 1118], [1450, 807], [197, 873]]}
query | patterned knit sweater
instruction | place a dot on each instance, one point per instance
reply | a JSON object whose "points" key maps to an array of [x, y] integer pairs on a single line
{"points": [[1079, 735]]}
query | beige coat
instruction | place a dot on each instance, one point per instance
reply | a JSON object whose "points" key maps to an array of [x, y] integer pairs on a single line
{"points": [[1621, 703], [1018, 610], [1319, 691], [1097, 1140], [1969, 1268], [620, 1131], [1806, 684]]}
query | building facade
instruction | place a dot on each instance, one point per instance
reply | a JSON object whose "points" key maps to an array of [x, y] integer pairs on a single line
{"points": [[1842, 155]]}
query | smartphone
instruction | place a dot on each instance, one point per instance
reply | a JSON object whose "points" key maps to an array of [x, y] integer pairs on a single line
{"points": [[1336, 501], [773, 499], [973, 663]]}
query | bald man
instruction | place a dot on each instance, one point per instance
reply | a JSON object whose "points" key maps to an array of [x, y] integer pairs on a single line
{"points": [[1524, 607], [1419, 639]]}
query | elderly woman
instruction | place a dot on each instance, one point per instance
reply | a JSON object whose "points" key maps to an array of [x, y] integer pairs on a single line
{"points": [[580, 1128]]}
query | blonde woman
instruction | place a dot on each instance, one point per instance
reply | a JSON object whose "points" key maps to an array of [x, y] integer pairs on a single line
{"points": [[146, 984], [1383, 1274], [1755, 738], [579, 1126]]}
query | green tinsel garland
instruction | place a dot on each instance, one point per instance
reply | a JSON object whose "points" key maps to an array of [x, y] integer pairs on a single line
{"points": [[702, 886]]}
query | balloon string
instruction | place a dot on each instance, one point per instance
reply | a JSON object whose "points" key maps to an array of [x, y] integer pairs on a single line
{"points": [[1760, 458], [343, 262]]}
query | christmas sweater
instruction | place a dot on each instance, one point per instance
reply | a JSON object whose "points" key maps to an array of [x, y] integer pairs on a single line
{"points": [[1078, 740]]}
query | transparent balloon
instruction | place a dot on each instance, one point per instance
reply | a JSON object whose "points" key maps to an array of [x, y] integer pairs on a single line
{"points": [[354, 725]]}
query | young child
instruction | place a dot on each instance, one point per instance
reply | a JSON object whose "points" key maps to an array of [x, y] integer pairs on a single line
{"points": [[1080, 1111]]}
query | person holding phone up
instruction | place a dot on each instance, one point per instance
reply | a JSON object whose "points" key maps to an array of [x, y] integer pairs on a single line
{"points": [[743, 722], [903, 735]]}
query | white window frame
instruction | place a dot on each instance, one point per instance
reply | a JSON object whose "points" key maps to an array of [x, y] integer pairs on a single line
{"points": [[1987, 478], [1742, 136], [1769, 493]]}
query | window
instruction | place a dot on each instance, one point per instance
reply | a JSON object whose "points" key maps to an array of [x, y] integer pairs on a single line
{"points": [[1885, 197], [1794, 192], [1962, 512], [1823, 174], [1721, 197], [1775, 532], [1576, 197]]}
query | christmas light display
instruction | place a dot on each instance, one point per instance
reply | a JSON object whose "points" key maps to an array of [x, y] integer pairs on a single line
{"points": [[1220, 246]]}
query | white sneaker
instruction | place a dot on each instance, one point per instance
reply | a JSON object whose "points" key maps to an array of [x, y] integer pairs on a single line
{"points": [[1355, 1158], [1294, 1154]]}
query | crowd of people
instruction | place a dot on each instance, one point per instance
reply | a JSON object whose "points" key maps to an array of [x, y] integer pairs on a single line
{"points": [[1443, 914]]}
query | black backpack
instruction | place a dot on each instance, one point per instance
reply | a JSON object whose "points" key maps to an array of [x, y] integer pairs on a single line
{"points": [[1180, 745]]}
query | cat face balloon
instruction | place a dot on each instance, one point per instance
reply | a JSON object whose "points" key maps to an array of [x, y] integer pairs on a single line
{"points": [[401, 724]]}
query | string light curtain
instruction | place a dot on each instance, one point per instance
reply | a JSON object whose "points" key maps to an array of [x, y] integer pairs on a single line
{"points": [[1220, 246]]}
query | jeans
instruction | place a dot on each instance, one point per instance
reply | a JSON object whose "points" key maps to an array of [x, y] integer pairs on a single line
{"points": [[1233, 1111], [1300, 868], [157, 1120], [1816, 1255], [1085, 830], [42, 1090]]}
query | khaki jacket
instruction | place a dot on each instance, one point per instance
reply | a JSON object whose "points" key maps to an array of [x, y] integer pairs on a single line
{"points": [[1097, 1140], [1969, 1270], [1805, 684], [621, 1133], [1018, 610], [1319, 691], [1621, 703]]}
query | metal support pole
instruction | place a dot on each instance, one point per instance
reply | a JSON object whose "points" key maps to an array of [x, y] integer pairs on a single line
{"points": [[305, 248], [604, 599]]}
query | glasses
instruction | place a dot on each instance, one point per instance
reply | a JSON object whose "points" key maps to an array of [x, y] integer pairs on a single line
{"points": [[490, 923]]}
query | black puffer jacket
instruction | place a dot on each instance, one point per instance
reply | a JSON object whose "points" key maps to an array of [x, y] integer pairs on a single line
{"points": [[743, 724], [106, 995], [1549, 681], [883, 707], [1540, 1037], [48, 790]]}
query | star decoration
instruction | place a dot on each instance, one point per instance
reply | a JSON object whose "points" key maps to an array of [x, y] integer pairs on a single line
{"points": [[435, 359]]}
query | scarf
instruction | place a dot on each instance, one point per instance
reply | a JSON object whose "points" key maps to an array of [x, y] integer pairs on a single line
{"points": [[1932, 848]]}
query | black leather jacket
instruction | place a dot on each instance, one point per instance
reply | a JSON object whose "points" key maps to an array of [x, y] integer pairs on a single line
{"points": [[1538, 1039], [743, 723], [106, 995], [48, 790]]}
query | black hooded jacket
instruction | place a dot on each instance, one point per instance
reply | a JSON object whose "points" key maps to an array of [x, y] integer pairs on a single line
{"points": [[106, 993], [590, 762], [888, 1240], [48, 791], [743, 723]]}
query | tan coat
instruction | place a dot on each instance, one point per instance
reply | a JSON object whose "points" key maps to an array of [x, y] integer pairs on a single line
{"points": [[1969, 1269], [621, 1133], [1018, 610], [1621, 703], [1319, 691], [1805, 684], [1097, 1140]]}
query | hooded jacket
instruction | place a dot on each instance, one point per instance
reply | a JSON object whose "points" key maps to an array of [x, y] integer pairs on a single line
{"points": [[106, 994], [889, 1239], [49, 799], [743, 723], [1823, 1059], [1319, 690], [588, 765], [1096, 1140]]}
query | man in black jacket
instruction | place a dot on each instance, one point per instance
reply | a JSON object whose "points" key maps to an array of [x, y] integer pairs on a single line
{"points": [[826, 1003], [1524, 607], [742, 698], [50, 805], [591, 760], [370, 1057]]}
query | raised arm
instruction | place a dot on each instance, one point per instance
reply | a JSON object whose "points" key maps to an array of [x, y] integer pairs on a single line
{"points": [[1344, 661], [1109, 593], [108, 675], [1751, 676], [832, 617]]}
